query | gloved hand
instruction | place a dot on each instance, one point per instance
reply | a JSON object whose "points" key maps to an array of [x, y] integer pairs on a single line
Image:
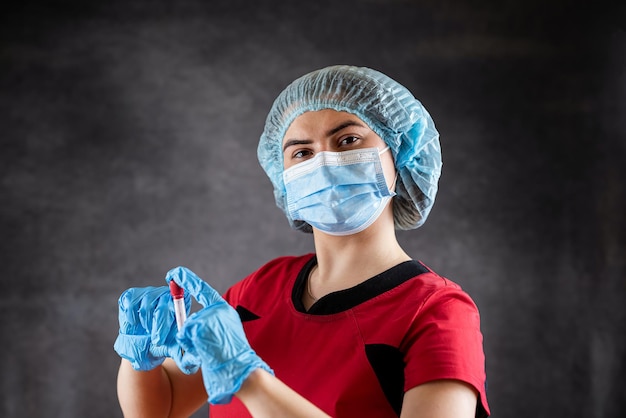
{"points": [[214, 336], [148, 328]]}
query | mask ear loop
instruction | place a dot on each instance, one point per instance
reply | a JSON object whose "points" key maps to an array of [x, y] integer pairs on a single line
{"points": [[392, 188]]}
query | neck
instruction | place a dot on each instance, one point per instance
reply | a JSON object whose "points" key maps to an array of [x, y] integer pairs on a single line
{"points": [[346, 261]]}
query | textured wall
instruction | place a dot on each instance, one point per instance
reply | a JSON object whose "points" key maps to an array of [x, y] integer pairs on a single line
{"points": [[128, 138]]}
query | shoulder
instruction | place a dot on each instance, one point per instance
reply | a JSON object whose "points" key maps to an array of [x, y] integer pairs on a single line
{"points": [[424, 301], [431, 288], [415, 298], [418, 286]]}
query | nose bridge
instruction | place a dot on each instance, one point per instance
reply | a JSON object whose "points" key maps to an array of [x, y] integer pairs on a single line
{"points": [[323, 143]]}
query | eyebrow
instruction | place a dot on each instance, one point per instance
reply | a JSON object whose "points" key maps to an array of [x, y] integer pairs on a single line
{"points": [[344, 125], [292, 142], [338, 128]]}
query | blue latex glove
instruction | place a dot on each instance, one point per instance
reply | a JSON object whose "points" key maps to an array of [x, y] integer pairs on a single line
{"points": [[214, 336], [148, 328]]}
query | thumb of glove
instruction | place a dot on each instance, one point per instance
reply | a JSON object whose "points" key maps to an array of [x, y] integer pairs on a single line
{"points": [[194, 285]]}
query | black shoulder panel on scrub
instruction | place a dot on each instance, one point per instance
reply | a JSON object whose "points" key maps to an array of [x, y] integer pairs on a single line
{"points": [[387, 363], [246, 315]]}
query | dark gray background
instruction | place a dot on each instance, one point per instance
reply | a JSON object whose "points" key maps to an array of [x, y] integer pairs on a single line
{"points": [[128, 135]]}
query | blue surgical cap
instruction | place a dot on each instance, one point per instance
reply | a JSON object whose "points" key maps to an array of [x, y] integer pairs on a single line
{"points": [[388, 108]]}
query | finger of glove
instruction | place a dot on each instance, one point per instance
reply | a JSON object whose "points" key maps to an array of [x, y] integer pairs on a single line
{"points": [[187, 302], [163, 327], [184, 337], [188, 364], [130, 303], [194, 285], [186, 357], [146, 306], [127, 313], [186, 361]]}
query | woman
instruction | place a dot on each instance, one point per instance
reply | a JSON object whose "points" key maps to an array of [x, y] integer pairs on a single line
{"points": [[357, 329]]}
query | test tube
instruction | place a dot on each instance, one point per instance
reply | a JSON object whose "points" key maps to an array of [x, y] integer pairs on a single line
{"points": [[178, 296]]}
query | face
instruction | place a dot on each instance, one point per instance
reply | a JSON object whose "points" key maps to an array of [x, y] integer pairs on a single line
{"points": [[330, 130]]}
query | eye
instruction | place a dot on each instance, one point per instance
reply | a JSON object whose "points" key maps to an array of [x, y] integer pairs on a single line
{"points": [[349, 140], [301, 153]]}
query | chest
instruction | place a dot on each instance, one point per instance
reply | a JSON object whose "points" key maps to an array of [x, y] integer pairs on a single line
{"points": [[328, 358]]}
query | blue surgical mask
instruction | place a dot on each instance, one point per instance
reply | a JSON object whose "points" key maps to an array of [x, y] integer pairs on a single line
{"points": [[339, 193]]}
